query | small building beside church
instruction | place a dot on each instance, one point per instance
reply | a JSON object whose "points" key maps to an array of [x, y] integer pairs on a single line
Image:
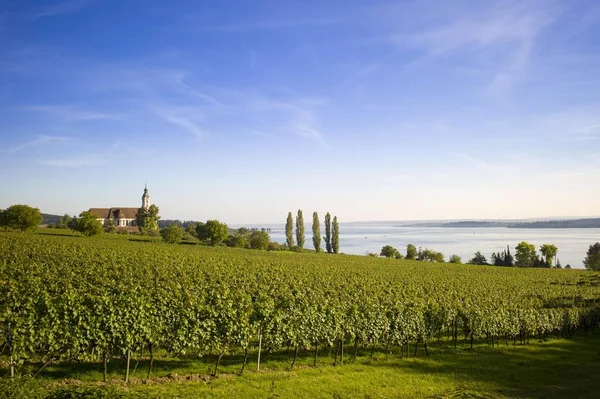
{"points": [[121, 217]]}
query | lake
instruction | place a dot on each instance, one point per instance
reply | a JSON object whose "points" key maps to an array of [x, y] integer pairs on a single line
{"points": [[359, 238]]}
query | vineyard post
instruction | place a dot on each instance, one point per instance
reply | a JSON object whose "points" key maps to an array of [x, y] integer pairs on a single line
{"points": [[12, 364], [295, 355], [259, 348], [127, 366], [151, 360], [105, 363]]}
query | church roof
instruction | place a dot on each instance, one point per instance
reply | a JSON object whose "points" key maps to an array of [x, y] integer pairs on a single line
{"points": [[117, 213]]}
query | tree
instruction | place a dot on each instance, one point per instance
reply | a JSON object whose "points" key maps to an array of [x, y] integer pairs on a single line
{"points": [[63, 221], [549, 252], [300, 229], [173, 233], [592, 260], [88, 225], [316, 229], [478, 259], [236, 241], [389, 252], [328, 232], [4, 219], [429, 255], [23, 217], [335, 238], [411, 252], [259, 240], [289, 231], [213, 231], [147, 218], [525, 254], [109, 226], [455, 259]]}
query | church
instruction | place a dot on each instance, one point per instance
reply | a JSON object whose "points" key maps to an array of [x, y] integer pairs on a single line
{"points": [[121, 217]]}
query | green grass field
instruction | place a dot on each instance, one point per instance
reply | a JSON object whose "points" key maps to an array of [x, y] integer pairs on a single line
{"points": [[71, 298], [551, 369]]}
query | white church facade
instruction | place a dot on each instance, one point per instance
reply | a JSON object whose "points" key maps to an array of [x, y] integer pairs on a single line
{"points": [[121, 217]]}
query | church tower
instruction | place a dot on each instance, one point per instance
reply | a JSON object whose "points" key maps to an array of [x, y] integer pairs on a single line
{"points": [[145, 198]]}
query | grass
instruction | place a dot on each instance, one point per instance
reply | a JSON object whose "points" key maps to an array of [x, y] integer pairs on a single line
{"points": [[551, 369]]}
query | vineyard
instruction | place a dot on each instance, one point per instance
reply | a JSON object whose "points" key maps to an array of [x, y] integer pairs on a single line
{"points": [[91, 300]]}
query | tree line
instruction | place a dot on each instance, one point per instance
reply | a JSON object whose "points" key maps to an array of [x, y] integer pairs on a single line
{"points": [[525, 256], [332, 233]]}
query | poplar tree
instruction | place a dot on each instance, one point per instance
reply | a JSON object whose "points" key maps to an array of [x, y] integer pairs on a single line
{"points": [[328, 232], [316, 229], [300, 229], [335, 240], [289, 231]]}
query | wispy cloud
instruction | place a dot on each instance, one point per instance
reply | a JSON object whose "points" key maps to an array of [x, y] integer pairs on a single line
{"points": [[82, 160], [269, 24], [501, 37], [69, 113], [60, 8], [184, 117], [37, 141]]}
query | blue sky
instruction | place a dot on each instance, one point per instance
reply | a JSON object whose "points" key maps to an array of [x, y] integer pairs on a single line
{"points": [[245, 110]]}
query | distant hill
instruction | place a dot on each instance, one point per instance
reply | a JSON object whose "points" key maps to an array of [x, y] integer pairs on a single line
{"points": [[547, 224], [558, 224], [50, 219]]}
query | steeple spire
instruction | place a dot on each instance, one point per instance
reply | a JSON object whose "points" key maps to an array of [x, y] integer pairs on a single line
{"points": [[145, 197]]}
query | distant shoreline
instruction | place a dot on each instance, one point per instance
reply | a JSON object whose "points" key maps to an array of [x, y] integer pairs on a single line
{"points": [[590, 223]]}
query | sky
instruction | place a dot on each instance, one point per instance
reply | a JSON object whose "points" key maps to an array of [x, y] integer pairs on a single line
{"points": [[245, 110]]}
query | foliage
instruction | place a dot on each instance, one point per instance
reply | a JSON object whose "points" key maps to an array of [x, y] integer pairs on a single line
{"points": [[503, 258], [429, 255], [549, 251], [87, 224], [259, 240], [76, 298], [22, 217], [316, 230], [147, 218], [300, 229], [525, 255], [3, 219], [213, 232], [63, 222], [236, 241], [289, 230], [411, 252], [455, 259], [478, 259], [335, 238], [592, 260], [173, 234], [389, 252], [328, 246]]}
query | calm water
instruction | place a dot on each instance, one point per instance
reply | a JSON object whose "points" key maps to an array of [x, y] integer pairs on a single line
{"points": [[358, 238]]}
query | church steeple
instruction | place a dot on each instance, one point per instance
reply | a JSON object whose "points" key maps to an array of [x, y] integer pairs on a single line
{"points": [[145, 198]]}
